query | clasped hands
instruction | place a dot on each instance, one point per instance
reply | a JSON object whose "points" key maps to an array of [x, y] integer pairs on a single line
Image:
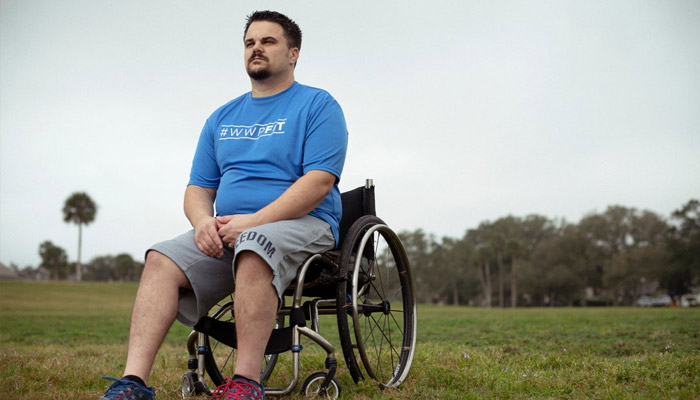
{"points": [[213, 233]]}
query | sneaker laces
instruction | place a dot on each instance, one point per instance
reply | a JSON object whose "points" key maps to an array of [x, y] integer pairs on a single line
{"points": [[236, 390], [120, 387]]}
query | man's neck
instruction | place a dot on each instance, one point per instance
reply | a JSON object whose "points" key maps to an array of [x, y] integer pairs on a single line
{"points": [[271, 86]]}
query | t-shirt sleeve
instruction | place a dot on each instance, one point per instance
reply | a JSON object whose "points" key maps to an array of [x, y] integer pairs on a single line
{"points": [[205, 170], [326, 140]]}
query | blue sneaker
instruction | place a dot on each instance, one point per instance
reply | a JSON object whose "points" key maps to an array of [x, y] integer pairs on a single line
{"points": [[123, 389]]}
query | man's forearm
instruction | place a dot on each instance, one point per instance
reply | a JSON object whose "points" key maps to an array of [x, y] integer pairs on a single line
{"points": [[199, 209], [199, 203], [299, 199]]}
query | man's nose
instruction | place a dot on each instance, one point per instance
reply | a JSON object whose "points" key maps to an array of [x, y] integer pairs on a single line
{"points": [[257, 46]]}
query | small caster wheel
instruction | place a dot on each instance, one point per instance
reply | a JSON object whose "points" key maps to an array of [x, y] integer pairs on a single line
{"points": [[312, 386], [188, 385]]}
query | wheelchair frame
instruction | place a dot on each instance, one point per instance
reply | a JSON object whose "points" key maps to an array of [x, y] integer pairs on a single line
{"points": [[351, 285]]}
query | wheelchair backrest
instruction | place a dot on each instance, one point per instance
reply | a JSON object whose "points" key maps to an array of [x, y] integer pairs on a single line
{"points": [[356, 203]]}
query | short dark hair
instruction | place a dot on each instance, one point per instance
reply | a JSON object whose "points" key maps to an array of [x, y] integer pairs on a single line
{"points": [[291, 30]]}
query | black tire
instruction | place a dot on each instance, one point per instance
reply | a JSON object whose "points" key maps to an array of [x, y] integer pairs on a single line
{"points": [[188, 388], [219, 360], [311, 386], [376, 306]]}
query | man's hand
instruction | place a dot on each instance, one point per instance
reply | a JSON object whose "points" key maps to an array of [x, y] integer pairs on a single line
{"points": [[231, 226], [206, 237], [199, 209], [210, 234]]}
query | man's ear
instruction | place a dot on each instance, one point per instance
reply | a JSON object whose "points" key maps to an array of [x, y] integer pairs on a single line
{"points": [[294, 55]]}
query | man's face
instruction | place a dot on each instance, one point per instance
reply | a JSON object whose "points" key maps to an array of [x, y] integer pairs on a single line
{"points": [[266, 51]]}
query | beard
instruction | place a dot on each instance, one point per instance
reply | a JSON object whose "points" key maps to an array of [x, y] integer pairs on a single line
{"points": [[261, 73], [258, 75]]}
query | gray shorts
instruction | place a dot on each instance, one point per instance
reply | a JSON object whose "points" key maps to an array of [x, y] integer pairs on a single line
{"points": [[284, 245]]}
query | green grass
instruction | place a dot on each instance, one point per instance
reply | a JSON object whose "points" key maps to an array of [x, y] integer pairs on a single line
{"points": [[57, 339]]}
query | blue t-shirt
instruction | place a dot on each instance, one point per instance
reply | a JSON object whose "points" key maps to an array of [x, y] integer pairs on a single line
{"points": [[253, 148]]}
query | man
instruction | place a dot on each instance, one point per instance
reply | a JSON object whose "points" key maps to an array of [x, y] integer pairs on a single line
{"points": [[271, 159]]}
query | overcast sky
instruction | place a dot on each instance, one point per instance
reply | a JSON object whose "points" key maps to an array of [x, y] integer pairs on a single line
{"points": [[461, 112]]}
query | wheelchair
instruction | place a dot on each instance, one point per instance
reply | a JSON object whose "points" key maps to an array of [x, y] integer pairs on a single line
{"points": [[365, 282]]}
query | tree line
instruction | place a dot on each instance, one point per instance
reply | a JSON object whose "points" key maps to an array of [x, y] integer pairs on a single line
{"points": [[55, 266], [608, 258], [611, 257]]}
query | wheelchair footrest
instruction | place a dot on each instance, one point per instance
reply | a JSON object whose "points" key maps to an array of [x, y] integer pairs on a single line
{"points": [[225, 332]]}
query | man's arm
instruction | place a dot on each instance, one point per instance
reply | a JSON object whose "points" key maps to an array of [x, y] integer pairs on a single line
{"points": [[298, 200], [199, 209]]}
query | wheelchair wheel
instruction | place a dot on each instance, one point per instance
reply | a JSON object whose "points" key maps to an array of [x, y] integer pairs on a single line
{"points": [[188, 388], [311, 387], [376, 306], [219, 361]]}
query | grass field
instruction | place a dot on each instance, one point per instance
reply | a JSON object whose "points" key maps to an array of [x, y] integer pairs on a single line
{"points": [[57, 339]]}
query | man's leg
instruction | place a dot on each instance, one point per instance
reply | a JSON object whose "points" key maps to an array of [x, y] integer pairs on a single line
{"points": [[154, 312], [255, 307]]}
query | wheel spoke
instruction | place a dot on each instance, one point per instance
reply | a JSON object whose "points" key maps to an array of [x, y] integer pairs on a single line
{"points": [[388, 338], [377, 257], [379, 357], [397, 322], [395, 295]]}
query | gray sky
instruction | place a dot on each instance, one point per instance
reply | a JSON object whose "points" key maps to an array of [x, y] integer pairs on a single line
{"points": [[460, 111]]}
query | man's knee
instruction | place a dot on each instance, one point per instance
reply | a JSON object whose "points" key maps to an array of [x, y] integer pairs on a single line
{"points": [[161, 267], [254, 279], [249, 265]]}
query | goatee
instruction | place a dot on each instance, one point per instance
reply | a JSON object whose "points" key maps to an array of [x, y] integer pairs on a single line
{"points": [[259, 75]]}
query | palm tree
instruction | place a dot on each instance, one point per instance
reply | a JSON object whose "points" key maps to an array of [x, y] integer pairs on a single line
{"points": [[79, 209]]}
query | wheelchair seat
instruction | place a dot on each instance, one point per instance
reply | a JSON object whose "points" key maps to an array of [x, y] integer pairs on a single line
{"points": [[321, 278]]}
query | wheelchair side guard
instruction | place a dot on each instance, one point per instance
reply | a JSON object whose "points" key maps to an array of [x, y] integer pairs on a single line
{"points": [[225, 332]]}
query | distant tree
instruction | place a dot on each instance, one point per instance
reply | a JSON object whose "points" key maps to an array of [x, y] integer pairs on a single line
{"points": [[442, 256], [516, 251], [614, 237], [113, 268], [498, 245], [465, 282], [484, 255], [559, 267], [54, 259], [419, 248], [452, 275], [684, 250], [81, 210], [100, 269], [506, 239], [550, 276], [629, 272], [126, 268], [610, 232]]}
